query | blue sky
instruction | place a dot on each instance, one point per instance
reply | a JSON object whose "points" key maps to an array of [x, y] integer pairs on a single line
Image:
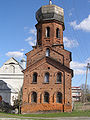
{"points": [[18, 34]]}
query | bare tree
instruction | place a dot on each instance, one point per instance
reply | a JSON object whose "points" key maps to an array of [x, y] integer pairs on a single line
{"points": [[85, 93], [18, 102]]}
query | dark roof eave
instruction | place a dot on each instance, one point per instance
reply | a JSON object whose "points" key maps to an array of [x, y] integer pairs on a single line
{"points": [[50, 60], [58, 64]]}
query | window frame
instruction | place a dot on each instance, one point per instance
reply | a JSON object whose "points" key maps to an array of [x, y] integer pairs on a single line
{"points": [[39, 34], [46, 97], [59, 97], [47, 52], [59, 77], [34, 99], [47, 32], [34, 79], [46, 78], [58, 33]]}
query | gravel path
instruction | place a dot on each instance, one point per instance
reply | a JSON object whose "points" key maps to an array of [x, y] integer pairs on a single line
{"points": [[58, 118]]}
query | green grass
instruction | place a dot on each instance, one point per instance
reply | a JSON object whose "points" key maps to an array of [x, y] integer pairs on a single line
{"points": [[32, 119], [73, 114]]}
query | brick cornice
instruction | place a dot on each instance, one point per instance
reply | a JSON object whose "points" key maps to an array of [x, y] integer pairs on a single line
{"points": [[52, 62], [51, 21], [57, 64]]}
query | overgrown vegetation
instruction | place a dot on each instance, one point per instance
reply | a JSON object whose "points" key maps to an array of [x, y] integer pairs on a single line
{"points": [[85, 95], [18, 101], [5, 107]]}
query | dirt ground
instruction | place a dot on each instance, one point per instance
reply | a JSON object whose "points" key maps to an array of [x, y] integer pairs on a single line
{"points": [[81, 106]]}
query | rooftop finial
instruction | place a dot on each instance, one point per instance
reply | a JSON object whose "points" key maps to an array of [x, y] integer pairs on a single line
{"points": [[50, 2]]}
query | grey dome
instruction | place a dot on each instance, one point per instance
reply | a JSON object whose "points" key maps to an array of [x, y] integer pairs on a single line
{"points": [[50, 12]]}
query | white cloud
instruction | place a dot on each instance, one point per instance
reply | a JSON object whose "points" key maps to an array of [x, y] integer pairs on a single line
{"points": [[79, 68], [33, 32], [25, 28], [70, 43], [16, 54], [88, 60], [77, 64], [31, 43], [29, 38], [84, 25], [32, 38], [22, 50], [70, 14], [79, 71]]}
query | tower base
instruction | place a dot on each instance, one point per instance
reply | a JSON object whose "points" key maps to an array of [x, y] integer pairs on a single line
{"points": [[34, 108]]}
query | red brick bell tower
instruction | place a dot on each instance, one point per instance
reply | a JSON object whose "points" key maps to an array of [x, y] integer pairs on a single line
{"points": [[47, 77]]}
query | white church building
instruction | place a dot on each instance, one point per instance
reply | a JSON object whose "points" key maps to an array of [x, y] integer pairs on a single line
{"points": [[11, 80]]}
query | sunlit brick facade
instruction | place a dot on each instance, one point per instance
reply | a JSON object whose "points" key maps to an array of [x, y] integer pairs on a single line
{"points": [[47, 77]]}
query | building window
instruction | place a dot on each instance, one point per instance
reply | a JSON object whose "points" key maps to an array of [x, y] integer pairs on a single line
{"points": [[59, 77], [39, 34], [34, 97], [12, 69], [57, 33], [46, 97], [34, 78], [47, 52], [46, 79], [59, 97], [0, 98], [48, 32]]}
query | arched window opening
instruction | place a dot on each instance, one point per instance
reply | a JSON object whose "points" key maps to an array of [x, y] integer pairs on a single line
{"points": [[46, 97], [0, 98], [46, 77], [48, 32], [59, 97], [39, 34], [12, 69], [59, 77], [47, 52], [34, 97], [34, 78], [57, 33]]}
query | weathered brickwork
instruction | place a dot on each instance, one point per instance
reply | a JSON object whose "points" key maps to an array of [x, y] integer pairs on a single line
{"points": [[53, 25], [47, 77], [61, 55]]}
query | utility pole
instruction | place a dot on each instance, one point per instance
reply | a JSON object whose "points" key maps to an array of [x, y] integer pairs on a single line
{"points": [[87, 67]]}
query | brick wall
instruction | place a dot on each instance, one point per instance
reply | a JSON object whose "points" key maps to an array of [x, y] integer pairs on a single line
{"points": [[57, 62]]}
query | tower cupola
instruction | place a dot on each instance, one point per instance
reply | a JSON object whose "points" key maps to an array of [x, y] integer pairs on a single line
{"points": [[50, 25], [50, 12]]}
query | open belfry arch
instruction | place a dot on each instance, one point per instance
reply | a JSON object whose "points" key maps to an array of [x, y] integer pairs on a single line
{"points": [[47, 77]]}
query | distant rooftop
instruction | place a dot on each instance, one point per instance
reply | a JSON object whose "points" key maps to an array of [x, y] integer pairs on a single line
{"points": [[76, 88]]}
